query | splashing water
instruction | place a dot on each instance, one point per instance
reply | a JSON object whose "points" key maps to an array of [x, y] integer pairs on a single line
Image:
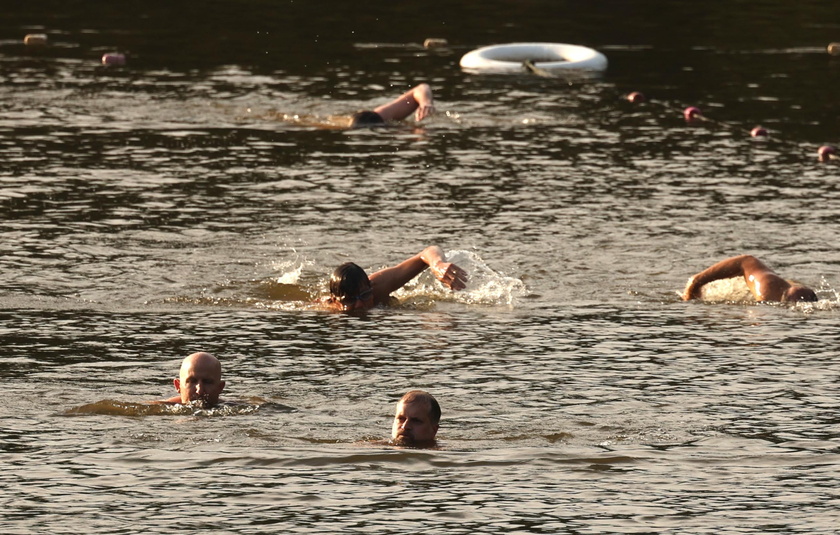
{"points": [[734, 289], [485, 286], [291, 269], [110, 407]]}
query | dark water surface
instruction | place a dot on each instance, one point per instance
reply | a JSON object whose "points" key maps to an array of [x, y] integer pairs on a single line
{"points": [[190, 201]]}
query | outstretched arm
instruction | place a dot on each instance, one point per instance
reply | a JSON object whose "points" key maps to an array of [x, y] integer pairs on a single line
{"points": [[762, 281], [419, 100], [393, 278]]}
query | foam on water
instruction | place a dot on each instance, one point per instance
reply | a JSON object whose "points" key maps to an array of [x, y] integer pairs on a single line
{"points": [[484, 286]]}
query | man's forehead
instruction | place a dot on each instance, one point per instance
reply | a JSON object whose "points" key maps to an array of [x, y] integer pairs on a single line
{"points": [[414, 405], [200, 368]]}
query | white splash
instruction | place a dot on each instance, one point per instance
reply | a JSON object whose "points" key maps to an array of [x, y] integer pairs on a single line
{"points": [[291, 269], [485, 286]]}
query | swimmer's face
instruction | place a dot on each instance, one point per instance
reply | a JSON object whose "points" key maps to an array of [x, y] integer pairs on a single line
{"points": [[413, 425], [796, 294], [362, 299], [200, 381]]}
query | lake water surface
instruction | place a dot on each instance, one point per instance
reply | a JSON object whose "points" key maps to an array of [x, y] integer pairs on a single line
{"points": [[189, 201]]}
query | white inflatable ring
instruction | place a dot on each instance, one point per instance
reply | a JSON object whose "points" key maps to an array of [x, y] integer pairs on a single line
{"points": [[550, 57]]}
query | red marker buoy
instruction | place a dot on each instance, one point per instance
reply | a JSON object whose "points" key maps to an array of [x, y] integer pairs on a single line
{"points": [[826, 153], [692, 113], [113, 58], [636, 98], [759, 131]]}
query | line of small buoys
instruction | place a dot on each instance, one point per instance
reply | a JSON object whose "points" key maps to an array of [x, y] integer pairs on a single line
{"points": [[692, 114], [109, 59]]}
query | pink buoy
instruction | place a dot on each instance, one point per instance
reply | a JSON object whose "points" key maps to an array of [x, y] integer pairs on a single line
{"points": [[826, 153], [759, 131], [113, 58], [636, 97], [692, 113]]}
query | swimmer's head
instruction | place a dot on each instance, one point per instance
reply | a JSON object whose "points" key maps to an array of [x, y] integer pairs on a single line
{"points": [[796, 294], [200, 380], [416, 420], [366, 119], [350, 287]]}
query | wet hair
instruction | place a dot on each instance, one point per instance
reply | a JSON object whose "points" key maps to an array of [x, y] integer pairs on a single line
{"points": [[424, 397], [362, 119], [796, 294], [347, 280]]}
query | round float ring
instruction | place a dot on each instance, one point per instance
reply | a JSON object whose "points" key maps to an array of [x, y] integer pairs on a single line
{"points": [[550, 57]]}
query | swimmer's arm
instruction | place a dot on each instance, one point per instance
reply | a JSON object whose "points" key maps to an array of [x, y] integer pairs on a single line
{"points": [[725, 269], [393, 278], [418, 99]]}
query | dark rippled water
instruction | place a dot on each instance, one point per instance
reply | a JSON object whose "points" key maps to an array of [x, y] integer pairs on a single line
{"points": [[191, 201]]}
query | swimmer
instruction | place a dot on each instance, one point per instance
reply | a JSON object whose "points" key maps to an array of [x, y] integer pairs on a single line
{"points": [[351, 289], [417, 100], [762, 281], [200, 382], [416, 420]]}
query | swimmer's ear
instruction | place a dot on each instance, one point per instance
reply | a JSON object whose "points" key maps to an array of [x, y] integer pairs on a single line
{"points": [[177, 383], [221, 385]]}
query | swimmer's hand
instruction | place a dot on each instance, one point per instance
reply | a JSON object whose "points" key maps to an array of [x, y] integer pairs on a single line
{"points": [[452, 276], [423, 111]]}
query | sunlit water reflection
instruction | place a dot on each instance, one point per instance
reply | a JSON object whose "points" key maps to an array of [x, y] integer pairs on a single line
{"points": [[199, 201]]}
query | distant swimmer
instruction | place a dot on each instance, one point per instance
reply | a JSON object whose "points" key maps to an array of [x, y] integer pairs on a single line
{"points": [[199, 383], [418, 100], [762, 281], [416, 420], [351, 289]]}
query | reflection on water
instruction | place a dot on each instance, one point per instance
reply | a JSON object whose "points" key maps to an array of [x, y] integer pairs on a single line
{"points": [[110, 407], [191, 201]]}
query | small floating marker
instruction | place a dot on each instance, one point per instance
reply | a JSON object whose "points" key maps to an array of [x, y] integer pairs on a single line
{"points": [[435, 42], [833, 49], [35, 39], [692, 113], [113, 58], [826, 153], [759, 131], [636, 98]]}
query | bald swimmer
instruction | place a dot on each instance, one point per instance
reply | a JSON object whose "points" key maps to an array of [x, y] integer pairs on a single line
{"points": [[199, 382]]}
